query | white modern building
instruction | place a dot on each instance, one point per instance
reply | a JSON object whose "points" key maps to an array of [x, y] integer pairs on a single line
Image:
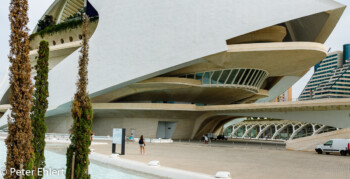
{"points": [[153, 62]]}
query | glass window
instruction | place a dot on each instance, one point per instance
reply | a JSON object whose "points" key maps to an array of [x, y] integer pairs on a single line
{"points": [[215, 77], [329, 142], [245, 77], [252, 76], [224, 76], [239, 76], [256, 77], [206, 77], [199, 76], [190, 76], [232, 76]]}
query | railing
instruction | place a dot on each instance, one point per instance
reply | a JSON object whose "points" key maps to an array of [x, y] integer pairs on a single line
{"points": [[236, 78]]}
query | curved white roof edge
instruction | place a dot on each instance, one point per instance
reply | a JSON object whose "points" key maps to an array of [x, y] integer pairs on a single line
{"points": [[52, 6], [136, 40]]}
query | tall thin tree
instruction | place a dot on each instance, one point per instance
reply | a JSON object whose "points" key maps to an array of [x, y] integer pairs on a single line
{"points": [[19, 148], [40, 105], [82, 115]]}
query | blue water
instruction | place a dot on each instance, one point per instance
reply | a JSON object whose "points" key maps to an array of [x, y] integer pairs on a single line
{"points": [[58, 161]]}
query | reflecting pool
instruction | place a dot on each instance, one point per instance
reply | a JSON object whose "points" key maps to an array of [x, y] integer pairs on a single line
{"points": [[100, 171]]}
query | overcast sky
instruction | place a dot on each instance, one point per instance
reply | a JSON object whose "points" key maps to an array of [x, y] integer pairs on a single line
{"points": [[339, 36], [36, 9]]}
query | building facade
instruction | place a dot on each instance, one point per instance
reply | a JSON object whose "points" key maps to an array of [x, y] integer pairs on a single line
{"points": [[286, 96], [153, 64], [331, 78]]}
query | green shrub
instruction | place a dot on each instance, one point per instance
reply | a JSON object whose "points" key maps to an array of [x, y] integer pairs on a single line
{"points": [[46, 22], [60, 28], [77, 15], [82, 115], [40, 105]]}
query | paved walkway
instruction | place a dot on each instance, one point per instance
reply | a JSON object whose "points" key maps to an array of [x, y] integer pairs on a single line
{"points": [[243, 161]]}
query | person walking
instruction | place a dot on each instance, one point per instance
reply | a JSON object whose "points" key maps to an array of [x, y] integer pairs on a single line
{"points": [[142, 145], [206, 139], [92, 136]]}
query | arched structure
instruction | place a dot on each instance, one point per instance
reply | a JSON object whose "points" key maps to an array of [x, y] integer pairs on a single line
{"points": [[274, 129]]}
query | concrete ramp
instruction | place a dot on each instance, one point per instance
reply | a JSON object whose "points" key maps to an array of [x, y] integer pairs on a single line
{"points": [[309, 143]]}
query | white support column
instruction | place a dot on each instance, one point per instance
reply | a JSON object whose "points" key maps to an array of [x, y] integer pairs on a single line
{"points": [[233, 127], [294, 129], [235, 130], [278, 130], [260, 128], [224, 129], [248, 130], [297, 131], [319, 130], [313, 128], [262, 131]]}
